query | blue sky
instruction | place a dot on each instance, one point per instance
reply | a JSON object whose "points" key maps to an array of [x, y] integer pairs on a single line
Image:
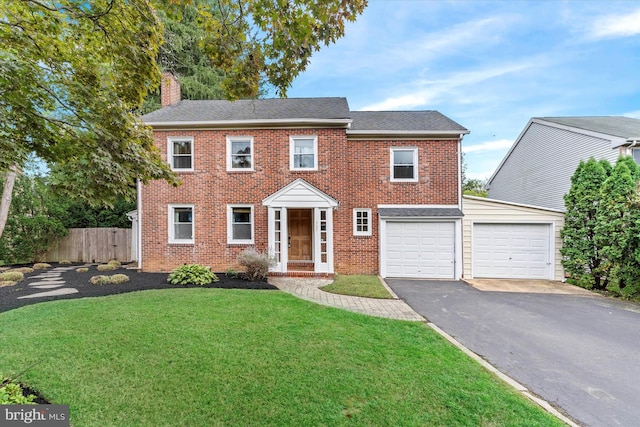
{"points": [[490, 66]]}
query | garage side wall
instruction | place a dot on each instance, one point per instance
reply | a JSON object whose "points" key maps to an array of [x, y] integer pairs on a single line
{"points": [[481, 210]]}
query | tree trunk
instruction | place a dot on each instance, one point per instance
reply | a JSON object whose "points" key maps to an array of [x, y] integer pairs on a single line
{"points": [[7, 194]]}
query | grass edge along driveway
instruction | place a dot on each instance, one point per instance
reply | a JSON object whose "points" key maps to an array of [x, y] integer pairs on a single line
{"points": [[214, 357]]}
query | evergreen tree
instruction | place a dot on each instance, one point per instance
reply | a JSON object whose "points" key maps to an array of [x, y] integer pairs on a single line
{"points": [[581, 256], [182, 55], [618, 224]]}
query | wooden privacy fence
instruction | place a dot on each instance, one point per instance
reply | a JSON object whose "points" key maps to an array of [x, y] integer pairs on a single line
{"points": [[93, 245]]}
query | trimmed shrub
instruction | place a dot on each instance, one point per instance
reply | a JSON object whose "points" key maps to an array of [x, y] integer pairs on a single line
{"points": [[99, 280], [23, 270], [256, 263], [114, 279], [117, 279], [11, 276], [41, 266], [65, 261], [106, 267], [192, 274], [82, 269], [115, 263]]}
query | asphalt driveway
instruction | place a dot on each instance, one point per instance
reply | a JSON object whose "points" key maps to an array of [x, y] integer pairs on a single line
{"points": [[581, 353]]}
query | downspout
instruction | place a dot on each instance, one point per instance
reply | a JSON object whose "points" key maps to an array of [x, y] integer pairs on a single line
{"points": [[139, 208], [460, 267]]}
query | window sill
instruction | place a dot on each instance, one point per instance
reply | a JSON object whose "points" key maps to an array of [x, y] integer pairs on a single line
{"points": [[182, 243]]}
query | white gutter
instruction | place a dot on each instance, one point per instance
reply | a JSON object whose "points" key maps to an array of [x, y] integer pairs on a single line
{"points": [[243, 123], [408, 132]]}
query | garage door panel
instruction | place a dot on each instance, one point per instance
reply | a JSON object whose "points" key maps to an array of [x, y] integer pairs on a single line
{"points": [[420, 249], [511, 250]]}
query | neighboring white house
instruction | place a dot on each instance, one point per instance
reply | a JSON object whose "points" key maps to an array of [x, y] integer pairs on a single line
{"points": [[537, 169], [509, 240]]}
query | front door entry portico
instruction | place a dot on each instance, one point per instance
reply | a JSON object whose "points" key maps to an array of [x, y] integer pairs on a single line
{"points": [[301, 228], [300, 235]]}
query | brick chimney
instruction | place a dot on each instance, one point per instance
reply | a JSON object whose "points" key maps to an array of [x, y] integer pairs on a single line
{"points": [[169, 90]]}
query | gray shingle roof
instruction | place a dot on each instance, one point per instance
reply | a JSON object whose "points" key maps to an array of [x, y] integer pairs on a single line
{"points": [[283, 109], [251, 109], [403, 121], [420, 212], [623, 127]]}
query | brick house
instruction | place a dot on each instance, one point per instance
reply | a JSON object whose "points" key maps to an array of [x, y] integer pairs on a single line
{"points": [[322, 188]]}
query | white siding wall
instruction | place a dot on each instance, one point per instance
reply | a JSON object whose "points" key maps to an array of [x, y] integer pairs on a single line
{"points": [[538, 171], [492, 211]]}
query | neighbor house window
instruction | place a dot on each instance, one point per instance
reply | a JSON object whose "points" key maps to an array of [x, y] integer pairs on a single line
{"points": [[240, 224], [304, 153], [181, 153], [362, 222], [404, 164], [181, 224], [239, 153], [635, 152]]}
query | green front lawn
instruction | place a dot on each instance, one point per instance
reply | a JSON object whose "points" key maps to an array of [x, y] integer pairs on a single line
{"points": [[214, 357], [358, 285]]}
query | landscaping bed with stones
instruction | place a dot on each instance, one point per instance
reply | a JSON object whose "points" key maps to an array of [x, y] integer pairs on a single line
{"points": [[64, 281]]}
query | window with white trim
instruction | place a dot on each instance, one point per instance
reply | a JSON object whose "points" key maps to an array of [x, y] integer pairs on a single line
{"points": [[304, 153], [180, 153], [362, 222], [635, 152], [404, 164], [240, 224], [239, 153], [181, 224]]}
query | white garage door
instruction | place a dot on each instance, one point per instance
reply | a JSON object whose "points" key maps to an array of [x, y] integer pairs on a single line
{"points": [[514, 251], [420, 249]]}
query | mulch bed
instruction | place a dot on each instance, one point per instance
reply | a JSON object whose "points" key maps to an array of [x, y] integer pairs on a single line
{"points": [[137, 282]]}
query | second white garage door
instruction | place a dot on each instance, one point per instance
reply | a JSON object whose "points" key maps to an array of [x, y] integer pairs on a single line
{"points": [[420, 250], [514, 251]]}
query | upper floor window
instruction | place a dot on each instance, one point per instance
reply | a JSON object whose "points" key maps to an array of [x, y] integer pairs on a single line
{"points": [[304, 153], [181, 224], [181, 153], [362, 222], [404, 164], [240, 224], [239, 153]]}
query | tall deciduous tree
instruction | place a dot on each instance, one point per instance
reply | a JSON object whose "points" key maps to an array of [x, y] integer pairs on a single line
{"points": [[73, 72], [582, 259]]}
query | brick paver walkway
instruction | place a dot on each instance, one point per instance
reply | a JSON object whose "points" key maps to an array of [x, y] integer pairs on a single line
{"points": [[308, 289]]}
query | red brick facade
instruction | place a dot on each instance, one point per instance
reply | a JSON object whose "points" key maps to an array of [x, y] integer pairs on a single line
{"points": [[356, 173]]}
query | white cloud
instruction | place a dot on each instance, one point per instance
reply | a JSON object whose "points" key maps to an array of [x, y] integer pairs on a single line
{"points": [[616, 26], [633, 114], [482, 176], [499, 144], [429, 91]]}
